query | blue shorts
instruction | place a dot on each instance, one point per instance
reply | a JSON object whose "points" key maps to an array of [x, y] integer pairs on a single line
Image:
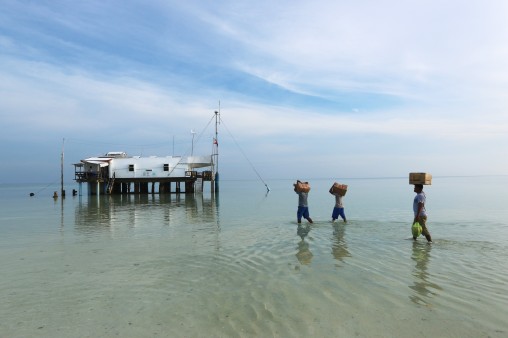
{"points": [[302, 212], [338, 212]]}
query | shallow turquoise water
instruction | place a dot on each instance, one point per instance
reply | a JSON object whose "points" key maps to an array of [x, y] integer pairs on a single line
{"points": [[235, 265]]}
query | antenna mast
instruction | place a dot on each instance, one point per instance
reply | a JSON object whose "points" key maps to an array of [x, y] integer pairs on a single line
{"points": [[216, 150]]}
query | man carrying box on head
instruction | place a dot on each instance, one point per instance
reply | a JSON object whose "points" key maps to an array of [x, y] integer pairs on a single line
{"points": [[420, 212], [302, 189]]}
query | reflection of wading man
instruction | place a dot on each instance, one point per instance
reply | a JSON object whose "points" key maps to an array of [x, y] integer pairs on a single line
{"points": [[304, 254], [339, 245], [420, 212]]}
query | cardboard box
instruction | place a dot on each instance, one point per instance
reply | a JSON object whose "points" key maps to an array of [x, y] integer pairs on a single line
{"points": [[420, 178], [302, 186], [340, 189]]}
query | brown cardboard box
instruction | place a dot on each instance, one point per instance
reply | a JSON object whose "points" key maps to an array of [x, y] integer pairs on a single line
{"points": [[420, 178], [340, 189], [302, 186]]}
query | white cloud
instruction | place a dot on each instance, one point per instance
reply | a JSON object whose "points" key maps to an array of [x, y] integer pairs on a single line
{"points": [[410, 49]]}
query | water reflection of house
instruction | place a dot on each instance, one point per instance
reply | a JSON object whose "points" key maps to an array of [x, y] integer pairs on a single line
{"points": [[119, 212], [118, 173]]}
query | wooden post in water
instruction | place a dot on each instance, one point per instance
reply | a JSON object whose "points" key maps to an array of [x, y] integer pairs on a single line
{"points": [[62, 191]]}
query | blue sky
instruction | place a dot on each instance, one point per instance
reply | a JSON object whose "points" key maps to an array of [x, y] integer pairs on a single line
{"points": [[308, 89]]}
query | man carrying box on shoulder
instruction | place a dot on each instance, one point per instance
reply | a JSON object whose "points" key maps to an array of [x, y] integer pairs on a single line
{"points": [[338, 209], [302, 189]]}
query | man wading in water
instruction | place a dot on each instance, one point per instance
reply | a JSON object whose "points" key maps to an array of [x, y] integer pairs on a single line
{"points": [[420, 212]]}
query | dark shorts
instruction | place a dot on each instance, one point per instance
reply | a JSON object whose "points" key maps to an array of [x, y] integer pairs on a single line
{"points": [[302, 212], [338, 212]]}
